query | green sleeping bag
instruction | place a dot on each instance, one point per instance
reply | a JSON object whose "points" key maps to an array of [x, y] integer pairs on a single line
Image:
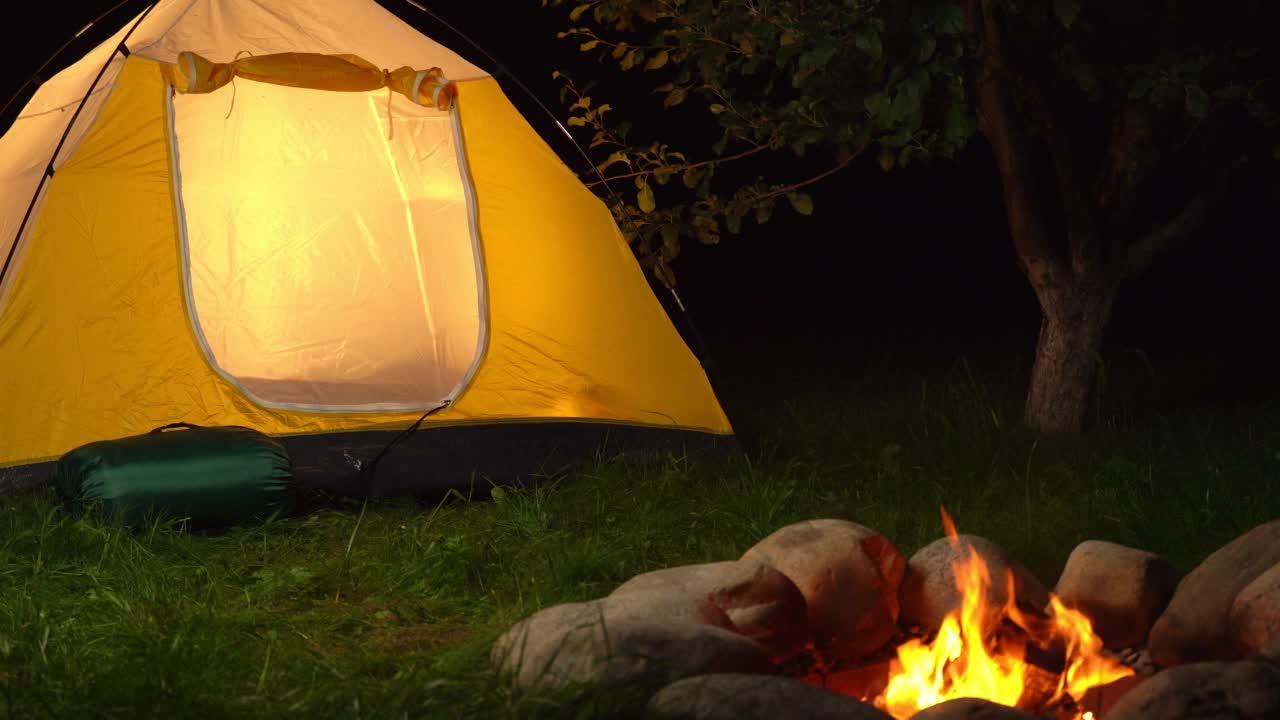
{"points": [[214, 476]]}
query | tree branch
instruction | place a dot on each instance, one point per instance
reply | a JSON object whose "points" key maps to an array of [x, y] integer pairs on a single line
{"points": [[1132, 154], [681, 168], [1011, 146], [1130, 159], [1178, 230], [1030, 75], [1084, 236], [803, 183]]}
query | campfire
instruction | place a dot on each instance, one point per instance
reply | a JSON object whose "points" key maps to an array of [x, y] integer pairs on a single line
{"points": [[827, 617], [1037, 659]]}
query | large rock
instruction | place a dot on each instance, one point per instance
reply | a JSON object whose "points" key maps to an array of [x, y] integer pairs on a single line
{"points": [[972, 709], [1122, 590], [751, 697], [1271, 651], [757, 600], [929, 588], [1196, 624], [610, 643], [1099, 699], [1245, 690], [849, 576], [1254, 619]]}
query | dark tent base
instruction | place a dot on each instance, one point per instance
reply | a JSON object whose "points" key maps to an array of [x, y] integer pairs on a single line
{"points": [[432, 461]]}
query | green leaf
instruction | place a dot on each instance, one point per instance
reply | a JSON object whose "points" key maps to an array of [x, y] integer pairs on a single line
{"points": [[645, 199], [820, 55], [951, 19], [704, 186], [787, 39], [887, 159], [671, 237], [733, 222], [692, 176], [588, 45], [927, 46], [716, 108], [631, 58], [764, 211], [802, 203], [720, 145], [1067, 11], [1141, 87], [675, 97], [879, 109], [1197, 101], [577, 13], [905, 104], [1086, 78], [868, 41], [657, 61], [707, 229], [577, 121], [617, 157]]}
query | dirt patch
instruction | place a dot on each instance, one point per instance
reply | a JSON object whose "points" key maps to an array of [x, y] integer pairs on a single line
{"points": [[406, 639]]}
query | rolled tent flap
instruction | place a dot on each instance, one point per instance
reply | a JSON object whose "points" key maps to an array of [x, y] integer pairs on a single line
{"points": [[193, 73]]}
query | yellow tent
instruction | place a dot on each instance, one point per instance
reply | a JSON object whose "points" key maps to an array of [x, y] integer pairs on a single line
{"points": [[305, 217]]}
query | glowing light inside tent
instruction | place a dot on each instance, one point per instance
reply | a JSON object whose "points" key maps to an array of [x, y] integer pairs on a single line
{"points": [[331, 260]]}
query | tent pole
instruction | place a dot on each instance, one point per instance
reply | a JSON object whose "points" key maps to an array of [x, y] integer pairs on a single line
{"points": [[703, 353], [48, 171]]}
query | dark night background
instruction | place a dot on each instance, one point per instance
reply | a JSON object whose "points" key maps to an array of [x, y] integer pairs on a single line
{"points": [[904, 272]]}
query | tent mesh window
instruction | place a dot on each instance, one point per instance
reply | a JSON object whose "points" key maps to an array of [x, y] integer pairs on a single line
{"points": [[338, 270]]}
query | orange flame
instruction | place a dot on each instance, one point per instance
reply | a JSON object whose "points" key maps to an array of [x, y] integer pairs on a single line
{"points": [[968, 658]]}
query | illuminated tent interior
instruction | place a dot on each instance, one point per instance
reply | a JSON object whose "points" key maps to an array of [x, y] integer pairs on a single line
{"points": [[307, 218]]}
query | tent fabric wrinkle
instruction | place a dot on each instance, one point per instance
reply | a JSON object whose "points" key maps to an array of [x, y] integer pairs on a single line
{"points": [[222, 28]]}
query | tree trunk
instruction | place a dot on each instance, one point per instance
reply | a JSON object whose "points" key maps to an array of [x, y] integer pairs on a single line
{"points": [[1066, 359]]}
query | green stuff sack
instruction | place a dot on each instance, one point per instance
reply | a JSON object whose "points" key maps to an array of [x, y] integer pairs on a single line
{"points": [[215, 476]]}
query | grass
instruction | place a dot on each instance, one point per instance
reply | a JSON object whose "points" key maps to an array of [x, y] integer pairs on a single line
{"points": [[388, 611]]}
